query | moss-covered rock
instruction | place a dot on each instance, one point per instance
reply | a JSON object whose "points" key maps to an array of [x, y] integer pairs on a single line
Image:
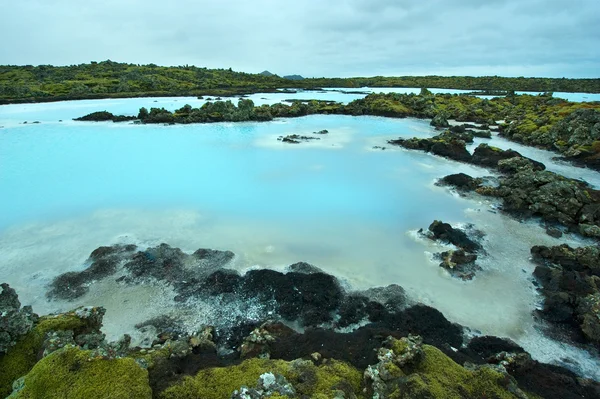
{"points": [[71, 373], [20, 359], [425, 372], [307, 378]]}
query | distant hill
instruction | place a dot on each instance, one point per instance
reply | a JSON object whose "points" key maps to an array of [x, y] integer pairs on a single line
{"points": [[293, 77], [109, 79]]}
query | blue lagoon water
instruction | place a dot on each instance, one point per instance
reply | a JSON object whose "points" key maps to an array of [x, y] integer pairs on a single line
{"points": [[68, 187]]}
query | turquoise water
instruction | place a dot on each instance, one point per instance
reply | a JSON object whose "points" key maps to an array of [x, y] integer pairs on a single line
{"points": [[69, 187]]}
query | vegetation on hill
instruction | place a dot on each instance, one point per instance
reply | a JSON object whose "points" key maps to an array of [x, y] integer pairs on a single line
{"points": [[109, 79]]}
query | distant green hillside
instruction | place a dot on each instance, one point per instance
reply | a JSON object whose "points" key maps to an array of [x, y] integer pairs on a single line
{"points": [[111, 79]]}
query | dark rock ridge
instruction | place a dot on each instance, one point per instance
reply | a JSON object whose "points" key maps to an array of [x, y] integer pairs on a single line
{"points": [[296, 139], [461, 262], [570, 282], [161, 263], [453, 145], [104, 116], [527, 191], [461, 182]]}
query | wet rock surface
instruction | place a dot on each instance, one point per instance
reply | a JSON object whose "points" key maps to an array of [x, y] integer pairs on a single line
{"points": [[161, 263], [461, 182], [570, 282], [460, 262], [103, 263]]}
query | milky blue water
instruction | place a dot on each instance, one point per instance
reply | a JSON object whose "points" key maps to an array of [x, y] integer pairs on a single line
{"points": [[69, 187]]}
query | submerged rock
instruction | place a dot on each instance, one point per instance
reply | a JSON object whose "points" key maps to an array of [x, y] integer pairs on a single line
{"points": [[296, 139], [459, 263], [104, 262]]}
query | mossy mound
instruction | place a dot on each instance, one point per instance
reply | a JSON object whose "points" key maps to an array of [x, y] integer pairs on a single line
{"points": [[71, 373], [409, 369], [21, 358], [322, 381], [437, 376]]}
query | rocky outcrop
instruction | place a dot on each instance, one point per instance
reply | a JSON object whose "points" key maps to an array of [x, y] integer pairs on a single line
{"points": [[160, 263], [452, 145], [461, 182], [104, 116], [460, 262], [570, 282], [446, 233], [296, 138], [15, 321], [485, 155], [443, 145], [439, 121], [527, 191]]}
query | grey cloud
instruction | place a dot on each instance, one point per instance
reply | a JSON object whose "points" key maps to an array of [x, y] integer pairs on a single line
{"points": [[311, 37]]}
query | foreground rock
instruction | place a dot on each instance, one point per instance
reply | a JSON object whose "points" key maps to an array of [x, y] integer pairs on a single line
{"points": [[570, 282], [15, 321], [66, 355], [48, 334]]}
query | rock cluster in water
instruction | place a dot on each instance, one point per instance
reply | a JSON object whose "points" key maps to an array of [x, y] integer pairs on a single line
{"points": [[461, 261]]}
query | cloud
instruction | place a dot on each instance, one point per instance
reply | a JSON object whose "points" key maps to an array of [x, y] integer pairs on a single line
{"points": [[311, 37]]}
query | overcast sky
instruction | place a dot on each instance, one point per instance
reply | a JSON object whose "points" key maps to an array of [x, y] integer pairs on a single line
{"points": [[312, 37]]}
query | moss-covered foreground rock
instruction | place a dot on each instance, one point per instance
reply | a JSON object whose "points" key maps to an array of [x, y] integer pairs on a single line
{"points": [[324, 380], [20, 359], [404, 371], [72, 373]]}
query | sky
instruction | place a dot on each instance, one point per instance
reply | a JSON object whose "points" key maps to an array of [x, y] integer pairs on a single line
{"points": [[312, 38]]}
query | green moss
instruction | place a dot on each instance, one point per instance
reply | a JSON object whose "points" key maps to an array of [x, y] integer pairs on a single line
{"points": [[23, 356], [70, 373], [307, 379], [221, 382], [440, 377]]}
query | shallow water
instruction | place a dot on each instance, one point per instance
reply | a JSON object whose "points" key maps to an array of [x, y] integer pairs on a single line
{"points": [[336, 203]]}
